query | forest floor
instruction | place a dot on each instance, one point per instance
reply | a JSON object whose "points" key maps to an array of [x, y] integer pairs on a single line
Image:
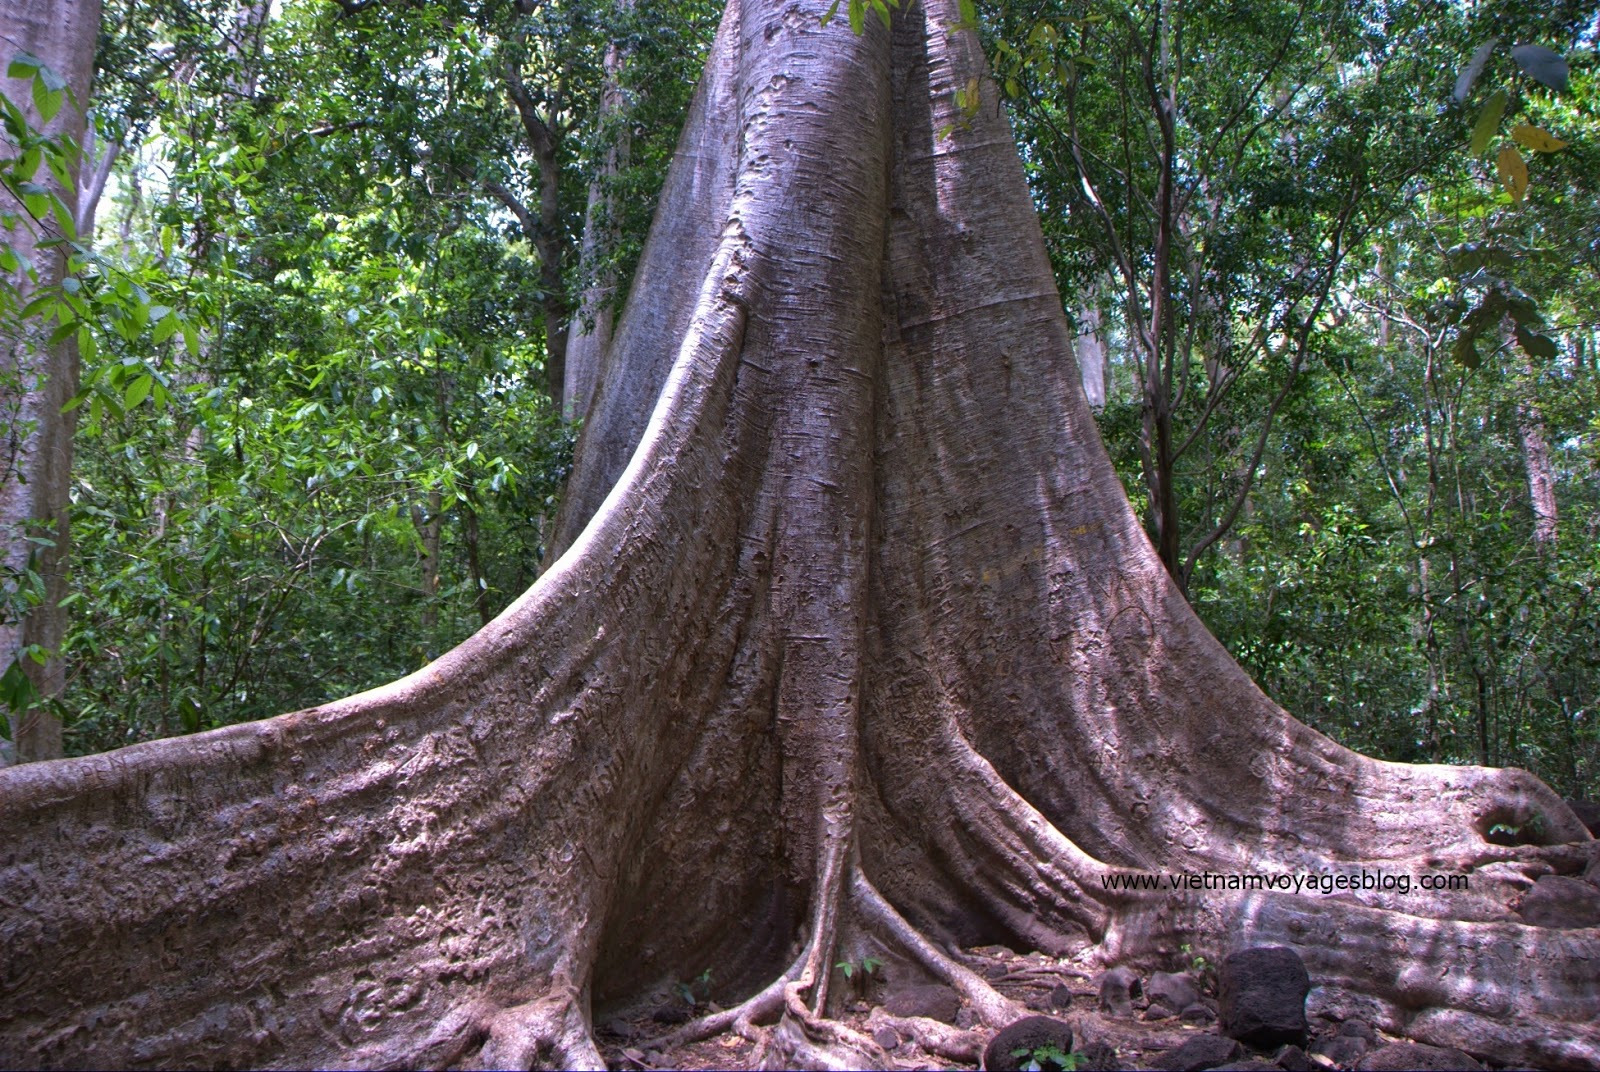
{"points": [[1040, 983]]}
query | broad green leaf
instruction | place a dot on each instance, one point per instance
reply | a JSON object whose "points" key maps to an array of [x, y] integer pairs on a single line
{"points": [[969, 13], [63, 215], [166, 327], [137, 392], [1513, 173], [858, 15], [883, 12], [1542, 65], [1488, 121], [1465, 351], [191, 339], [1469, 73], [24, 65], [1539, 141], [52, 81], [46, 100], [833, 9]]}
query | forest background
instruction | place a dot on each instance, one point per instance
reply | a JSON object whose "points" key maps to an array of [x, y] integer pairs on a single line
{"points": [[1333, 268]]}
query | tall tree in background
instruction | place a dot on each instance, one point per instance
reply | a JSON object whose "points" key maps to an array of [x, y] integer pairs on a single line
{"points": [[853, 645], [55, 44]]}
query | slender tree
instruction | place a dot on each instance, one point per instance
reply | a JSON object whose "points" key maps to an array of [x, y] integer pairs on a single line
{"points": [[39, 373], [853, 644]]}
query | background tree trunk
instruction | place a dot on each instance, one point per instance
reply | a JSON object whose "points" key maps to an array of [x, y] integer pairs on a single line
{"points": [[590, 334], [36, 378], [853, 644]]}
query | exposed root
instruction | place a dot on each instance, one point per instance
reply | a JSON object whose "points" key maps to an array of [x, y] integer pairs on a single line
{"points": [[815, 1043], [741, 1018], [552, 1032], [994, 1008], [942, 1040]]}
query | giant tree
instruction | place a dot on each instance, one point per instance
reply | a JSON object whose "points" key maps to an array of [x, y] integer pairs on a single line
{"points": [[853, 641]]}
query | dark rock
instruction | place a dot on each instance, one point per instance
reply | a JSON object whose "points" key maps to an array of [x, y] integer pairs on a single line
{"points": [[1199, 1014], [1029, 1033], [1200, 1052], [1157, 1011], [1118, 988], [1358, 1029], [619, 1028], [1261, 996], [1173, 989], [1061, 998], [885, 1036], [673, 1012], [1561, 902], [1415, 1057], [1098, 1057], [935, 1001], [1588, 813], [1293, 1059], [1342, 1050]]}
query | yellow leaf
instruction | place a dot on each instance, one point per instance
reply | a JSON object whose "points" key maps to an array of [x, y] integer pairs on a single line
{"points": [[1538, 140], [1513, 173]]}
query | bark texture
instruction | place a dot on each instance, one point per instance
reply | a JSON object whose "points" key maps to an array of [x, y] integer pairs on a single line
{"points": [[853, 644], [590, 334], [36, 378]]}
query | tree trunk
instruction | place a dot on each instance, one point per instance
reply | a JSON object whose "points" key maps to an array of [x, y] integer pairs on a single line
{"points": [[37, 379], [1536, 459], [1090, 346], [853, 644], [590, 335]]}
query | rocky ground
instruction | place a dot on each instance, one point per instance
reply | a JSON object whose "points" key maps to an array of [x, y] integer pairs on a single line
{"points": [[1121, 1023]]}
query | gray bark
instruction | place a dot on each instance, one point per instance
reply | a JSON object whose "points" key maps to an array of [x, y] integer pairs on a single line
{"points": [[36, 378], [852, 638], [590, 335], [1090, 347]]}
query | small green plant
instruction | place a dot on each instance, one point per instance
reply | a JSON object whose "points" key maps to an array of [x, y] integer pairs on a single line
{"points": [[1049, 1055], [1200, 967], [696, 990], [868, 967]]}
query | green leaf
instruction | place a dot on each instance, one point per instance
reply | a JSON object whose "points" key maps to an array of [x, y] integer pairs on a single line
{"points": [[191, 339], [883, 12], [24, 65], [1488, 121], [858, 16], [833, 9], [16, 690], [1469, 74], [46, 100], [1465, 351], [969, 13], [166, 327], [137, 392], [1542, 65]]}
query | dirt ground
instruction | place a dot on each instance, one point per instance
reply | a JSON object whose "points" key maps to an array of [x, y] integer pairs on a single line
{"points": [[638, 1041]]}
